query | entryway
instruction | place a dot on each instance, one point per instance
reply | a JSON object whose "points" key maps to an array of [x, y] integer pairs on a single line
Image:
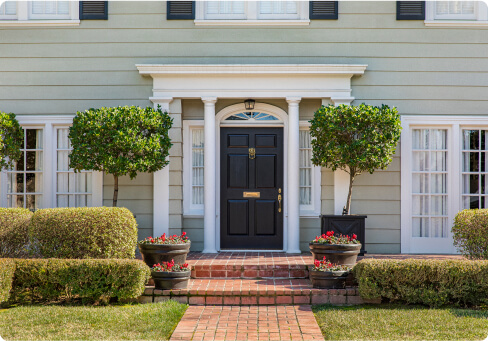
{"points": [[251, 188]]}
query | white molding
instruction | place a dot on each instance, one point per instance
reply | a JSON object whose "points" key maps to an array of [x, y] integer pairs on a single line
{"points": [[188, 209], [195, 69], [161, 185], [262, 22], [39, 23], [452, 23]]}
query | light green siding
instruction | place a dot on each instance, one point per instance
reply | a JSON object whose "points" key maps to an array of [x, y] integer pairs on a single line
{"points": [[420, 70]]}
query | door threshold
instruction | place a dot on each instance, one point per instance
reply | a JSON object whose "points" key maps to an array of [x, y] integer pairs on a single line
{"points": [[249, 250]]}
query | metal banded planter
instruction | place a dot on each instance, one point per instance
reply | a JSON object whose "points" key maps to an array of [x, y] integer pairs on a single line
{"points": [[340, 254], [328, 279], [158, 253], [171, 280]]}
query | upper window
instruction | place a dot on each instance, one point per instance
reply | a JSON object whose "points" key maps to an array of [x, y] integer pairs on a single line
{"points": [[251, 116], [255, 12], [39, 12], [456, 12]]}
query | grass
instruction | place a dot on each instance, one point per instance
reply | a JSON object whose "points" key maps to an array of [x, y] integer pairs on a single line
{"points": [[119, 322], [399, 322]]}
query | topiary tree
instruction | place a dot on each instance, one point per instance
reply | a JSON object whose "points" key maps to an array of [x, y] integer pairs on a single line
{"points": [[355, 139], [11, 140], [120, 141], [470, 233]]}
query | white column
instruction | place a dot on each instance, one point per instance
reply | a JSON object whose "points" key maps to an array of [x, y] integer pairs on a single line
{"points": [[293, 195], [341, 178], [209, 161], [161, 185]]}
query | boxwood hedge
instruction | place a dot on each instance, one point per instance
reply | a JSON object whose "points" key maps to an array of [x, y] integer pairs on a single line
{"points": [[92, 280], [7, 269], [14, 227], [470, 233], [429, 282], [85, 232]]}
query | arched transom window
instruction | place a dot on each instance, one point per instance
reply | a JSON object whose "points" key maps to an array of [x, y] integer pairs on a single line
{"points": [[252, 116]]}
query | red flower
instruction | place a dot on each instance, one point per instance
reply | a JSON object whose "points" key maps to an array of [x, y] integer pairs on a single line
{"points": [[330, 233], [183, 234], [354, 236]]}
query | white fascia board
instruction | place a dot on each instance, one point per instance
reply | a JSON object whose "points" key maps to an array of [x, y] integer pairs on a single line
{"points": [[311, 69], [42, 119]]}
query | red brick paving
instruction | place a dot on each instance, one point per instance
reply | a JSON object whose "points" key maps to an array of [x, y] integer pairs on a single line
{"points": [[248, 323]]}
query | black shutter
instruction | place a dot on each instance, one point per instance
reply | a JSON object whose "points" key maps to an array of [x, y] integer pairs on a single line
{"points": [[410, 10], [324, 9], [93, 10], [176, 10]]}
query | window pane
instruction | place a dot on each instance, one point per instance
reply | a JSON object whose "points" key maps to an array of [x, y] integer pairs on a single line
{"points": [[63, 7], [305, 167], [8, 8], [197, 166]]}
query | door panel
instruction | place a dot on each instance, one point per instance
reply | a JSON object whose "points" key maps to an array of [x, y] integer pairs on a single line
{"points": [[250, 216]]}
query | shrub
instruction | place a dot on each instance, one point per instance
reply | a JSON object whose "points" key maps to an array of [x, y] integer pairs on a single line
{"points": [[92, 280], [430, 282], [11, 140], [14, 228], [470, 233], [7, 269], [86, 232], [120, 141]]}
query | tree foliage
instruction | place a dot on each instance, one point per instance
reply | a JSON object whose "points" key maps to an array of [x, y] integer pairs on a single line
{"points": [[120, 141], [11, 140], [355, 139]]}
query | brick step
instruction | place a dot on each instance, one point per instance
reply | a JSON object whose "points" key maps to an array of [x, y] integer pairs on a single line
{"points": [[249, 271], [253, 292]]}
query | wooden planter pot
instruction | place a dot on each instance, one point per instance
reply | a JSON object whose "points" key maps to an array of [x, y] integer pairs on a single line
{"points": [[158, 253], [171, 280], [346, 225], [340, 254], [328, 279]]}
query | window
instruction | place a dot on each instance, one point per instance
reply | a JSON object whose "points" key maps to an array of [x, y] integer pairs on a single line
{"points": [[475, 169], [429, 183], [252, 116], [309, 176], [457, 13], [193, 169], [39, 12], [252, 12], [42, 177], [72, 189], [24, 182]]}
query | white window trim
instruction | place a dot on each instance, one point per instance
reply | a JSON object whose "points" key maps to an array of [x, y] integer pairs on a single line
{"points": [[49, 124], [253, 17], [189, 210], [24, 18], [312, 210], [480, 10], [455, 125]]}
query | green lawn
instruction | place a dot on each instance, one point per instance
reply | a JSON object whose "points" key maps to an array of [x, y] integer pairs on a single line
{"points": [[399, 322], [119, 322]]}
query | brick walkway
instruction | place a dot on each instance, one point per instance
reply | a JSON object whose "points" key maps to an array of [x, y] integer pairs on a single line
{"points": [[248, 323]]}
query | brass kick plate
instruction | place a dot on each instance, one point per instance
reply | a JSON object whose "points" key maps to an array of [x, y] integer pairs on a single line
{"points": [[251, 195]]}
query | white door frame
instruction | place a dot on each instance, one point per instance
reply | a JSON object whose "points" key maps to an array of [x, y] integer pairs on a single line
{"points": [[283, 123]]}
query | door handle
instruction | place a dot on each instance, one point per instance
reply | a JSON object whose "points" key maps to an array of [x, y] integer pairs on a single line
{"points": [[252, 153], [279, 201]]}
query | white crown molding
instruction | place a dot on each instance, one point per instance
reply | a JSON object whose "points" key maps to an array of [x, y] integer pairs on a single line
{"points": [[199, 69]]}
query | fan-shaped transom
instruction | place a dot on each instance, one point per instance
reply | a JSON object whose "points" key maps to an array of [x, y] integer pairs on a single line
{"points": [[252, 116]]}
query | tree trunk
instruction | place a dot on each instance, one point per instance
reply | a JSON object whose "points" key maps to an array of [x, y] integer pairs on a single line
{"points": [[116, 190], [349, 195]]}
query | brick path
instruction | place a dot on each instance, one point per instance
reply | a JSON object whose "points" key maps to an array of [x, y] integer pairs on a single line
{"points": [[248, 323]]}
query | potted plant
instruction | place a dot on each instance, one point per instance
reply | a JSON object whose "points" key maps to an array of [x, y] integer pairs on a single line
{"points": [[164, 249], [325, 275], [355, 139], [338, 249], [168, 275]]}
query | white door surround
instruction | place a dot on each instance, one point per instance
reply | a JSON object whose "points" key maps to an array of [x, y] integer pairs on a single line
{"points": [[210, 82]]}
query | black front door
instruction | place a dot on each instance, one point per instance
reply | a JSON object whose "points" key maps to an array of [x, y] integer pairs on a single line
{"points": [[251, 186]]}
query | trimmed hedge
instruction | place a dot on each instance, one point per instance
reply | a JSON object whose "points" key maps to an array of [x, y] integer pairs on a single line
{"points": [[85, 232], [92, 280], [430, 282], [470, 233], [14, 228], [7, 269]]}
